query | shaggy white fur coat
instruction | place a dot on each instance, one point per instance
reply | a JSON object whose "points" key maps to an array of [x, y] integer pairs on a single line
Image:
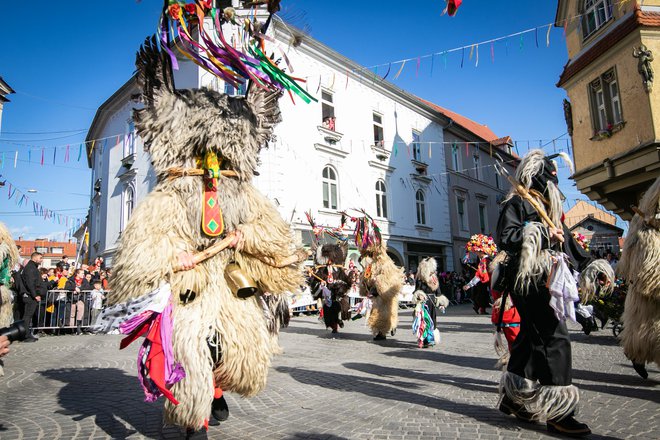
{"points": [[178, 127], [7, 249], [387, 279], [640, 267]]}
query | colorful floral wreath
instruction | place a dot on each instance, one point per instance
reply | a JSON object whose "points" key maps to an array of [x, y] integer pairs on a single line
{"points": [[481, 243], [582, 241]]}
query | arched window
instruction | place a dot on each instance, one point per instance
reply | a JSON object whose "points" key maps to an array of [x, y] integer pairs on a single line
{"points": [[128, 202], [421, 207], [595, 13], [329, 188], [381, 199]]}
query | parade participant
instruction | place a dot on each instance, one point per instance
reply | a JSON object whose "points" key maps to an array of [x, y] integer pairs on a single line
{"points": [[201, 314], [505, 317], [640, 266], [330, 283], [485, 249], [381, 279], [8, 258], [427, 294], [537, 383]]}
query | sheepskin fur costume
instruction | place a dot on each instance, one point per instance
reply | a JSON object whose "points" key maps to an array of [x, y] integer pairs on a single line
{"points": [[8, 258], [178, 127], [386, 279], [640, 266]]}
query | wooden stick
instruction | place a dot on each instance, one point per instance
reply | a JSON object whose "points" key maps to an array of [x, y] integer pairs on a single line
{"points": [[224, 244], [175, 172], [210, 251]]}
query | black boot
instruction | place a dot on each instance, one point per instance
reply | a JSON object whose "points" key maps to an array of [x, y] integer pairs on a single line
{"points": [[379, 337], [219, 409], [568, 426], [641, 370], [508, 407]]}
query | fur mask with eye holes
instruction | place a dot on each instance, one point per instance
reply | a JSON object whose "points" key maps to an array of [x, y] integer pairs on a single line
{"points": [[179, 127]]}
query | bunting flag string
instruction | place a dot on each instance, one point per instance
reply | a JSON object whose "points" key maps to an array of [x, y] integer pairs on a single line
{"points": [[38, 209]]}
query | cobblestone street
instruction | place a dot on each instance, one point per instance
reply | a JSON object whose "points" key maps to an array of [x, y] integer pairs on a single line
{"points": [[347, 387]]}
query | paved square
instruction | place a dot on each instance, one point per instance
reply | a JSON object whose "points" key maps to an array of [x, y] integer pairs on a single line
{"points": [[83, 387]]}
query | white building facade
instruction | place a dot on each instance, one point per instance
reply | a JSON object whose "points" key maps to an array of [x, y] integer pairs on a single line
{"points": [[384, 156]]}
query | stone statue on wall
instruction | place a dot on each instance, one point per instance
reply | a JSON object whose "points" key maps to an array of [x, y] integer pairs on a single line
{"points": [[568, 116], [644, 67]]}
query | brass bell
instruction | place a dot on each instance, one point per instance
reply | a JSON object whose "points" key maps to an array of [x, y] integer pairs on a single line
{"points": [[239, 282]]}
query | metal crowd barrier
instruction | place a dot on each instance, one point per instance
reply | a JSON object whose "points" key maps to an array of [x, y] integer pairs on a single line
{"points": [[63, 309]]}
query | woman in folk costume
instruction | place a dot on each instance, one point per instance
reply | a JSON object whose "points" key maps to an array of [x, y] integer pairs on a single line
{"points": [[427, 296], [202, 315], [485, 249], [8, 258], [381, 279], [640, 267], [537, 383]]}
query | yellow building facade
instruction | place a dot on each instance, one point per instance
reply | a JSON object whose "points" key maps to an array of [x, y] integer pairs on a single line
{"points": [[613, 107]]}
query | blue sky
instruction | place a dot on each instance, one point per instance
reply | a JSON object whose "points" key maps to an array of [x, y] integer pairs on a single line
{"points": [[64, 60]]}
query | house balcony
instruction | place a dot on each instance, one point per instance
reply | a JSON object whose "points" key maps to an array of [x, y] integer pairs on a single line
{"points": [[330, 136]]}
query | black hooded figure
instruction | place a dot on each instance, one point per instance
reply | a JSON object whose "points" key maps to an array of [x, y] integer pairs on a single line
{"points": [[330, 284], [537, 383]]}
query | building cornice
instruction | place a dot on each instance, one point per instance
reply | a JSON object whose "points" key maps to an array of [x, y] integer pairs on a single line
{"points": [[107, 110], [334, 60]]}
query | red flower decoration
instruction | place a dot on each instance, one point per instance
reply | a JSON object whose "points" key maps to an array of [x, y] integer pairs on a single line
{"points": [[207, 4], [175, 11], [191, 8]]}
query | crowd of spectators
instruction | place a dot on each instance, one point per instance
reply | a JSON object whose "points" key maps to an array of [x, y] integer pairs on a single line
{"points": [[60, 299]]}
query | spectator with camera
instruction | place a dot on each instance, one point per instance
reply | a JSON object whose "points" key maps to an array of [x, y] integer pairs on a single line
{"points": [[77, 285], [35, 288]]}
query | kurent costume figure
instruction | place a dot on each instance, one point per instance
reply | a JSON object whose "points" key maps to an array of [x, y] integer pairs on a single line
{"points": [[330, 283], [381, 278], [204, 321], [8, 258], [640, 267], [537, 383], [427, 296]]}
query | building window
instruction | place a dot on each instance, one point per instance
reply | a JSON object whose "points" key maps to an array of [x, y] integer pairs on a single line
{"points": [[128, 202], [455, 158], [329, 188], [129, 141], [230, 90], [56, 250], [416, 146], [483, 218], [379, 138], [476, 161], [497, 180], [41, 250], [462, 217], [595, 14], [421, 207], [327, 110], [381, 199], [605, 102]]}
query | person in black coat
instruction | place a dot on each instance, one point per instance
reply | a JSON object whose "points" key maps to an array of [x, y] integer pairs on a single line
{"points": [[35, 289], [538, 381], [330, 283]]}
